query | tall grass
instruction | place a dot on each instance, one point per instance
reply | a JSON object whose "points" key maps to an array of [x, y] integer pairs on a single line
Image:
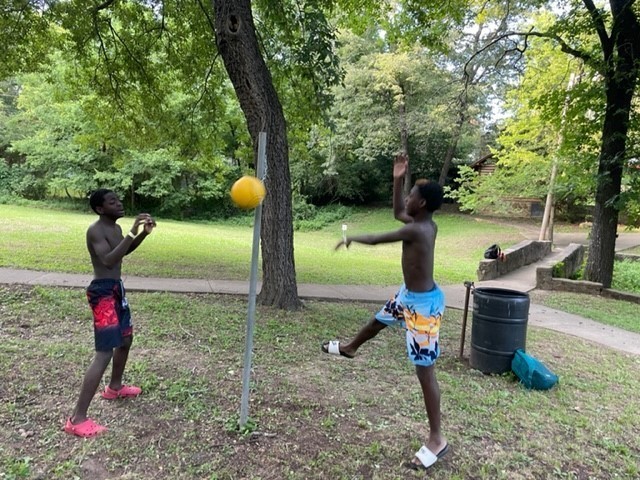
{"points": [[54, 240]]}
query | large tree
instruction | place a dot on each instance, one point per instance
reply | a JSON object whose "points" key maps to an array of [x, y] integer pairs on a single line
{"points": [[133, 51], [390, 101], [238, 46], [607, 39], [619, 34], [483, 74], [548, 121]]}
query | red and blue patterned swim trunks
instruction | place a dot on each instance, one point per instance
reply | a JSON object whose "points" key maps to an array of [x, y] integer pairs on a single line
{"points": [[111, 314]]}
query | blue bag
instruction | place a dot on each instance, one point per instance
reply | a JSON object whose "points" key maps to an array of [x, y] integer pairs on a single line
{"points": [[532, 372]]}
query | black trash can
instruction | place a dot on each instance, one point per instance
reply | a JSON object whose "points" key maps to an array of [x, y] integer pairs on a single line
{"points": [[499, 328]]}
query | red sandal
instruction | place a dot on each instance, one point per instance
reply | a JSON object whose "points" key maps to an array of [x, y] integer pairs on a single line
{"points": [[85, 429], [124, 392]]}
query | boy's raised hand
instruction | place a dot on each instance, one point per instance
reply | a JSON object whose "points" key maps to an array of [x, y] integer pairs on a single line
{"points": [[145, 220], [345, 242], [400, 164], [149, 225]]}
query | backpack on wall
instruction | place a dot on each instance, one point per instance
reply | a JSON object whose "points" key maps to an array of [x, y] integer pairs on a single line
{"points": [[493, 252], [532, 372]]}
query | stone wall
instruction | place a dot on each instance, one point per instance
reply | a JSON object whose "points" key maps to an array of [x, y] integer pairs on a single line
{"points": [[524, 253], [562, 267], [627, 256], [555, 276], [572, 257]]}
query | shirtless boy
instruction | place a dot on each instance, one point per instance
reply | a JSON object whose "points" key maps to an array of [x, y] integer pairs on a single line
{"points": [[418, 305], [113, 330]]}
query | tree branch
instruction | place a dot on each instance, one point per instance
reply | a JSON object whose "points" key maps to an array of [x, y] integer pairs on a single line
{"points": [[205, 86], [619, 17], [213, 62], [131, 55], [113, 80], [564, 46], [601, 29], [103, 6], [206, 14]]}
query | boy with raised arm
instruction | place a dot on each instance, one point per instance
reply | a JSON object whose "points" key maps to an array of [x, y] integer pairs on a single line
{"points": [[418, 305], [113, 330]]}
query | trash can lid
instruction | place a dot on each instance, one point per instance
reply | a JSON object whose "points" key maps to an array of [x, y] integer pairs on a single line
{"points": [[500, 292]]}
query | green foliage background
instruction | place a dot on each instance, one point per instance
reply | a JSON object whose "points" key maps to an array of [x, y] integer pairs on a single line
{"points": [[135, 97]]}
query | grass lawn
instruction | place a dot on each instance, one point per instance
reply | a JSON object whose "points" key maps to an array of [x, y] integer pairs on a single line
{"points": [[315, 416], [617, 313], [53, 240]]}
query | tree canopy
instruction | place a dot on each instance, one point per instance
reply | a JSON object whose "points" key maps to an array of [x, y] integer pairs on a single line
{"points": [[164, 99]]}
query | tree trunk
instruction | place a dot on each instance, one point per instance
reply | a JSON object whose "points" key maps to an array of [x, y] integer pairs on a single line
{"points": [[404, 145], [621, 75], [238, 47], [457, 132], [599, 267]]}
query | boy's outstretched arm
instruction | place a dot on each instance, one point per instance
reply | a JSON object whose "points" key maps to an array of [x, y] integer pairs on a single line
{"points": [[400, 165], [406, 233]]}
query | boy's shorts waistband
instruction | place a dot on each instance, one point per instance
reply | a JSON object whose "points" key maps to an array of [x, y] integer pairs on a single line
{"points": [[106, 280], [435, 291]]}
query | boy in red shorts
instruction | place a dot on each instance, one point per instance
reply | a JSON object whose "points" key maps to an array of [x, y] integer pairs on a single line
{"points": [[111, 316]]}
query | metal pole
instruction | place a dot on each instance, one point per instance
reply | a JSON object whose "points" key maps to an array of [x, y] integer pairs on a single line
{"points": [[468, 285], [248, 346]]}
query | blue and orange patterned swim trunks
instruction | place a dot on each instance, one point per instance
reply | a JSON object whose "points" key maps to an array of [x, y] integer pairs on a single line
{"points": [[420, 314], [111, 314]]}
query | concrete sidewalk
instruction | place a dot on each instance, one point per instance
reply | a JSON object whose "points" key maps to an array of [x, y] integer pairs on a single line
{"points": [[522, 280]]}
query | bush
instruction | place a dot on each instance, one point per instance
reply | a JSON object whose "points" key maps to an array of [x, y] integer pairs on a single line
{"points": [[322, 217], [579, 274], [19, 181], [308, 217], [76, 205], [302, 209], [626, 276], [558, 270]]}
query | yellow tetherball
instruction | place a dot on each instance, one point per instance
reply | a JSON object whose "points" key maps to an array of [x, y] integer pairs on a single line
{"points": [[247, 192]]}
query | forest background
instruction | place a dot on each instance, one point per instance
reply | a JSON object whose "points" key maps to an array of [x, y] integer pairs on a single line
{"points": [[134, 95]]}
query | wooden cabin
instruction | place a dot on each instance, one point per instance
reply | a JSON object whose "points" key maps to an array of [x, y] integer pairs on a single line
{"points": [[519, 207], [485, 165]]}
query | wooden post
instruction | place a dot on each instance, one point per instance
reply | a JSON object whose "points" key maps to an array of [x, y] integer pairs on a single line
{"points": [[463, 334], [547, 216]]}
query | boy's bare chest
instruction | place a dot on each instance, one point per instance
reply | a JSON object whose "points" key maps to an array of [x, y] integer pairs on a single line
{"points": [[114, 237]]}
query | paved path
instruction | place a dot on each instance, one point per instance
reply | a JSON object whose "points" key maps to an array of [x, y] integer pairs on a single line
{"points": [[522, 280], [624, 241]]}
